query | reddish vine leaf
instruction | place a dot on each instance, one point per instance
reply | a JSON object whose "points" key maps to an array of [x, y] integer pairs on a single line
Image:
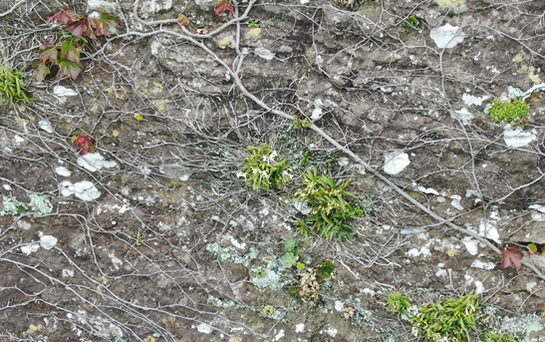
{"points": [[85, 144], [105, 25], [64, 17], [182, 20], [48, 52], [69, 69], [70, 51], [511, 256], [224, 6], [40, 72], [81, 26]]}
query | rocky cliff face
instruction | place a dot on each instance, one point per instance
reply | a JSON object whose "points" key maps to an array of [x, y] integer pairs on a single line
{"points": [[156, 236]]}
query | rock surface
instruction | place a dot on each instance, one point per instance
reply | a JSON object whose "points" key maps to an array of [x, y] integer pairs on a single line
{"points": [[176, 247]]}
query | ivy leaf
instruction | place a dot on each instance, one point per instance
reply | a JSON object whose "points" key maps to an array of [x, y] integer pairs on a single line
{"points": [[64, 17], [512, 256], [69, 69], [40, 72], [182, 20], [70, 51], [224, 6], [48, 52], [81, 26], [105, 25]]}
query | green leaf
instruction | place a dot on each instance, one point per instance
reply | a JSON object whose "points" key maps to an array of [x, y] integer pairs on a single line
{"points": [[70, 51], [69, 69], [532, 247], [291, 243], [289, 260]]}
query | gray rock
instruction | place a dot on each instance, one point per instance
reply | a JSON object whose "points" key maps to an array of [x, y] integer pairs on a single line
{"points": [[206, 5]]}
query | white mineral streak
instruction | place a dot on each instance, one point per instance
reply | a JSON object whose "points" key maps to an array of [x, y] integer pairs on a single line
{"points": [[83, 190], [395, 162], [447, 36], [48, 241], [517, 137], [94, 162]]}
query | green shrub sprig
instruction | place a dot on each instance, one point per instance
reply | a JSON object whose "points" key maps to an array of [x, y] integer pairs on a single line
{"points": [[332, 212]]}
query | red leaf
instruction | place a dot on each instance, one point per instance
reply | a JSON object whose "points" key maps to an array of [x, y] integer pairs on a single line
{"points": [[40, 72], [224, 6], [64, 17], [48, 52], [85, 144], [69, 69], [512, 256], [105, 25], [81, 26], [70, 51]]}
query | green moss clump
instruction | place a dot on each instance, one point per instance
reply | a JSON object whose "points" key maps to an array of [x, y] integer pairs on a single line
{"points": [[515, 112], [325, 271]]}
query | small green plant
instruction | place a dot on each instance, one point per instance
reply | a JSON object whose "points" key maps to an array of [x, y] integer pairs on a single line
{"points": [[21, 208], [515, 112], [446, 320], [12, 88], [306, 157], [332, 212], [298, 123], [413, 21], [293, 252], [450, 317], [265, 169], [399, 303], [260, 273], [326, 271], [496, 336], [253, 23]]}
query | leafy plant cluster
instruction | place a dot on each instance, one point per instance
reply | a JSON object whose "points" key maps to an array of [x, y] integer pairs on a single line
{"points": [[332, 212], [515, 112], [12, 88], [447, 320], [79, 30], [293, 252], [265, 169]]}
